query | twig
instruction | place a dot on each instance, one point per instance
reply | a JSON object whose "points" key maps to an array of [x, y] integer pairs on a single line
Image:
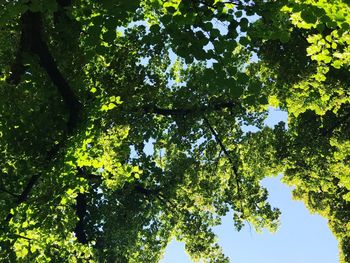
{"points": [[2, 189]]}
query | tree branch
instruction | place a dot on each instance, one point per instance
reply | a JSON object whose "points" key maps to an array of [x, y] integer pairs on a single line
{"points": [[17, 68], [186, 111], [80, 210], [225, 151], [32, 181], [31, 40], [4, 190], [33, 22]]}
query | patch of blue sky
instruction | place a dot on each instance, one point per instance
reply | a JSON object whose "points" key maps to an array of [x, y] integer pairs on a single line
{"points": [[302, 237], [274, 116]]}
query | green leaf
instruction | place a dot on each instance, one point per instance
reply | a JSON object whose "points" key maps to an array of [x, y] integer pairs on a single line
{"points": [[308, 16], [111, 106]]}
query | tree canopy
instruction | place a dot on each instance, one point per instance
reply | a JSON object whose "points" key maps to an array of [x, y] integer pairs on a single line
{"points": [[121, 123]]}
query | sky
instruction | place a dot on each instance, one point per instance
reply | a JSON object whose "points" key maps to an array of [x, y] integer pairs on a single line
{"points": [[302, 237]]}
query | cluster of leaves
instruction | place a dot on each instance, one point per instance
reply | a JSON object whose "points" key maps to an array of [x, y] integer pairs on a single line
{"points": [[121, 123], [308, 78]]}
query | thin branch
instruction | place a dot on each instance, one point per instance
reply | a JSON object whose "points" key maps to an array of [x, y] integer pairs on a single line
{"points": [[20, 236], [25, 193], [32, 181], [228, 156], [2, 189], [17, 68], [15, 235], [186, 111]]}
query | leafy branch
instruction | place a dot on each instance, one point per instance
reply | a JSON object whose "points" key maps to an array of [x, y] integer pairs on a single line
{"points": [[228, 156]]}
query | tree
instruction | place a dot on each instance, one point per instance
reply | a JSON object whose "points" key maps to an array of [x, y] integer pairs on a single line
{"points": [[121, 123], [310, 82]]}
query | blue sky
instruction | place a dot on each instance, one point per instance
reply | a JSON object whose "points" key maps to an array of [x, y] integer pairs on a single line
{"points": [[301, 238]]}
